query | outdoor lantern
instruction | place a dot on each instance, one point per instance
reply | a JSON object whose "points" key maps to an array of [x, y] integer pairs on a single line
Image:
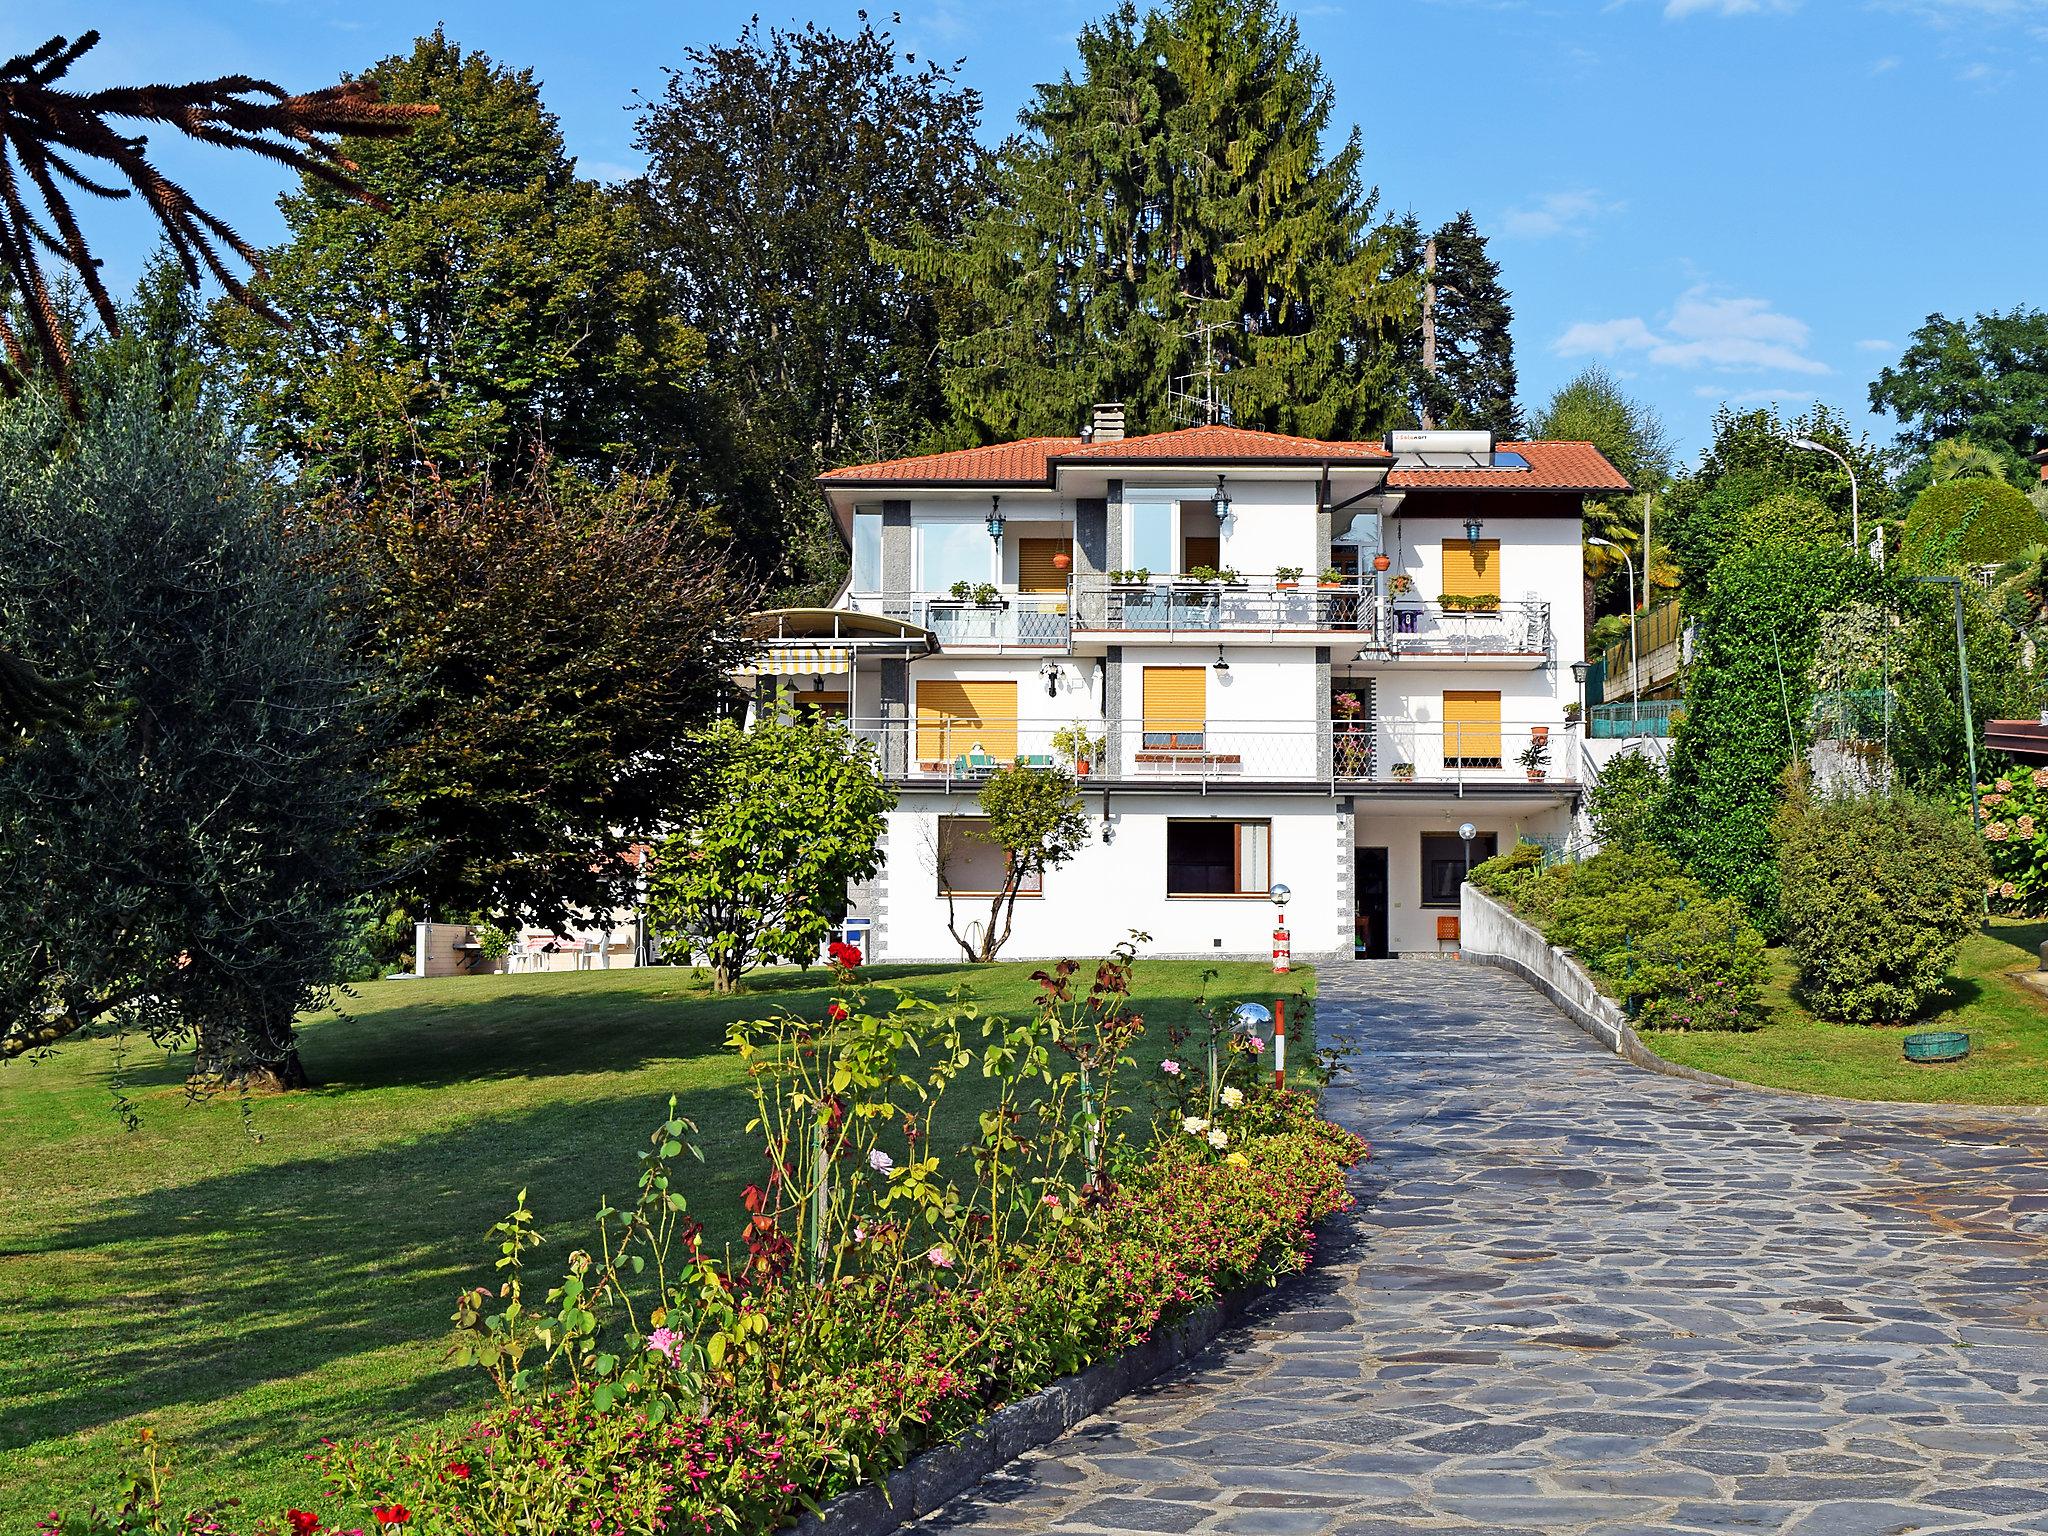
{"points": [[995, 518], [1222, 500], [1579, 670], [1050, 671], [1221, 664], [1472, 527]]}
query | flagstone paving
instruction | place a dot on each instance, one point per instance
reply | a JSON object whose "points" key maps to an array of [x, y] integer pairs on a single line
{"points": [[1580, 1297]]}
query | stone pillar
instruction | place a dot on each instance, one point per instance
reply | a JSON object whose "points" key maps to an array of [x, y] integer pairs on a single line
{"points": [[1347, 876], [1113, 708], [895, 713], [896, 556], [1325, 762], [1091, 560]]}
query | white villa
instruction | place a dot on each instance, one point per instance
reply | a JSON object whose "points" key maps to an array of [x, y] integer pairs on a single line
{"points": [[1272, 660]]}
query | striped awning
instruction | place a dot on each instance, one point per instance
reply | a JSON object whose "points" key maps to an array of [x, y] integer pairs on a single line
{"points": [[803, 660]]}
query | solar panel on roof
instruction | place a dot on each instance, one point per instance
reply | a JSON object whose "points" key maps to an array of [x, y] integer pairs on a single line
{"points": [[1509, 461]]}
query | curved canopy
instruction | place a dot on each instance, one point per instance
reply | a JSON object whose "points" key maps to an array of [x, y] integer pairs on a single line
{"points": [[842, 624]]}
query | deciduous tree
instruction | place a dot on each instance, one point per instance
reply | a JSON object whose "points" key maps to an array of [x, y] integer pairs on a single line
{"points": [[775, 165], [791, 815], [1035, 817], [1985, 379]]}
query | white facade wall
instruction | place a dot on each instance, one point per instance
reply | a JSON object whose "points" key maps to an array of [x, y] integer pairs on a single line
{"points": [[1112, 887], [1412, 927]]}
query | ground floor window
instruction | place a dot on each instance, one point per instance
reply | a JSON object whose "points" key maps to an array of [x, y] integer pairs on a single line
{"points": [[971, 865], [1443, 864], [1219, 858]]}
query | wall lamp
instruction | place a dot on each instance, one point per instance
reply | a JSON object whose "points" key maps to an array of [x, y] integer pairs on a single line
{"points": [[995, 518], [1050, 671], [1472, 528], [1222, 501], [1221, 664]]}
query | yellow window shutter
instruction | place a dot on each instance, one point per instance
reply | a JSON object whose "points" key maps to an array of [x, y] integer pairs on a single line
{"points": [[953, 718], [1035, 570], [1176, 705], [1472, 570], [1471, 725]]}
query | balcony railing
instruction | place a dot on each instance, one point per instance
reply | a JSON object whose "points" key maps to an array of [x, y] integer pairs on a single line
{"points": [[1024, 619], [1218, 753]]}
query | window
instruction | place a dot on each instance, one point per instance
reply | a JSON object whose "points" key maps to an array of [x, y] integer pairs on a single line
{"points": [[1471, 728], [1443, 864], [822, 704], [1035, 569], [1150, 535], [948, 552], [1219, 858], [1176, 702], [1201, 538], [1472, 570], [959, 719], [971, 865], [867, 550]]}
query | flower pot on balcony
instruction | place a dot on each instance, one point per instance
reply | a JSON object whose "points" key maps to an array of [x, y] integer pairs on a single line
{"points": [[1062, 561], [1404, 773], [1381, 563], [1082, 767], [1540, 732], [1536, 775]]}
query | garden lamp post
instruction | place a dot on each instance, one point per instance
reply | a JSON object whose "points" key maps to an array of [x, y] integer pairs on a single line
{"points": [[1855, 515], [1635, 687], [1466, 832], [1579, 671]]}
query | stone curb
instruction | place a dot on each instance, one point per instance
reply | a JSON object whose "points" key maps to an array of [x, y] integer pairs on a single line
{"points": [[937, 1476], [1567, 984]]}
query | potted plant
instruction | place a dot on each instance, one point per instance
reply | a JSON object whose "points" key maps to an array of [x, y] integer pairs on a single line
{"points": [[1572, 712], [1402, 584], [1203, 573], [1079, 746], [1063, 561], [1451, 602], [1333, 576], [1381, 563], [961, 591], [1536, 757], [1286, 576], [1540, 732], [986, 595], [1346, 705], [1404, 773]]}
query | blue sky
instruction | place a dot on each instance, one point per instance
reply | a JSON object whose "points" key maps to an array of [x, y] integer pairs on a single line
{"points": [[1743, 200]]}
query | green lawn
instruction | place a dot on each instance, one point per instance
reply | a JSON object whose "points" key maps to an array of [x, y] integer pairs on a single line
{"points": [[2007, 1022], [249, 1276]]}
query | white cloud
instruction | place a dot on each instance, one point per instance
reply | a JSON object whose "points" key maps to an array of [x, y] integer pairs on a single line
{"points": [[1703, 330], [1876, 344], [1558, 213], [1784, 395]]}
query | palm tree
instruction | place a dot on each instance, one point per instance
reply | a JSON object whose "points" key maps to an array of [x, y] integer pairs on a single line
{"points": [[55, 143]]}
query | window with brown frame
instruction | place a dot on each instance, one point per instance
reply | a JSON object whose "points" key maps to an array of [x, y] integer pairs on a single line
{"points": [[1219, 858], [971, 865]]}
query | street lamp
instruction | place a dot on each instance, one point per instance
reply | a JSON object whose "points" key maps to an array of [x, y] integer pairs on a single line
{"points": [[1466, 832], [1635, 703], [1579, 671], [1855, 516]]}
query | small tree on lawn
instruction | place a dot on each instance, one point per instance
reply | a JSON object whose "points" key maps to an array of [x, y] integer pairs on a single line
{"points": [[792, 814], [1035, 818]]}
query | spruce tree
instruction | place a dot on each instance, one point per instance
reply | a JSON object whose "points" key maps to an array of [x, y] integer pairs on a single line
{"points": [[1464, 353], [1170, 208]]}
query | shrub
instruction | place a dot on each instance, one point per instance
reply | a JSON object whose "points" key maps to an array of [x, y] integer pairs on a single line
{"points": [[1673, 954], [1877, 896], [1972, 522], [1503, 875], [2015, 806], [1623, 803]]}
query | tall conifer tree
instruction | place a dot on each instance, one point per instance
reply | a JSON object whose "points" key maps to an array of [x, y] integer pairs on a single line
{"points": [[1171, 206], [1469, 380]]}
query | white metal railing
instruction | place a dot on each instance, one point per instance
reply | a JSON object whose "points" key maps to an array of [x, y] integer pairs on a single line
{"points": [[1032, 619], [1345, 752]]}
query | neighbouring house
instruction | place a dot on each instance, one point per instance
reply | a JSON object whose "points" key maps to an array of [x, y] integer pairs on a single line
{"points": [[1272, 660]]}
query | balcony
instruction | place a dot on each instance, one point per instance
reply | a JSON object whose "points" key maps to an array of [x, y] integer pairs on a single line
{"points": [[1030, 621], [1347, 754]]}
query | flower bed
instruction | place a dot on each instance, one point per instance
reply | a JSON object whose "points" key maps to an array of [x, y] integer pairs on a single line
{"points": [[876, 1306]]}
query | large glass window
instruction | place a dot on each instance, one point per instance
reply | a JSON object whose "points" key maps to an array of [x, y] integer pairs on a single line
{"points": [[948, 552], [1444, 864], [867, 551], [1151, 536], [1219, 858], [971, 865]]}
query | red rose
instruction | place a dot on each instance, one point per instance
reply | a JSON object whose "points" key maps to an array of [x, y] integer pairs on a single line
{"points": [[844, 955], [836, 1013], [302, 1521], [457, 1469], [391, 1514]]}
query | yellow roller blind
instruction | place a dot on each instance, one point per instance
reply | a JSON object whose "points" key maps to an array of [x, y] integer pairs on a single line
{"points": [[953, 718], [1176, 705], [1471, 725], [1472, 570], [1035, 570]]}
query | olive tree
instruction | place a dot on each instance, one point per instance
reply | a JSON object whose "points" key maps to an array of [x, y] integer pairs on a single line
{"points": [[791, 814], [179, 860]]}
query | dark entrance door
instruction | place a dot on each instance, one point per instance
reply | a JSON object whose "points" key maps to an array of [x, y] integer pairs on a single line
{"points": [[1369, 887]]}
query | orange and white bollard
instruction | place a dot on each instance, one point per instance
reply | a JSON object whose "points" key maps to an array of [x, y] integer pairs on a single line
{"points": [[1279, 1042], [1282, 948]]}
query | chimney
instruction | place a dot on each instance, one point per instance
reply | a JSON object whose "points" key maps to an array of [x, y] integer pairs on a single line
{"points": [[1108, 423]]}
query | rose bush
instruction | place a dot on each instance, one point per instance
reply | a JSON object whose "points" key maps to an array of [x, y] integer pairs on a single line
{"points": [[2015, 807]]}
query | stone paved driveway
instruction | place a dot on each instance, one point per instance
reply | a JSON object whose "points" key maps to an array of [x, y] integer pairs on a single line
{"points": [[1579, 1297]]}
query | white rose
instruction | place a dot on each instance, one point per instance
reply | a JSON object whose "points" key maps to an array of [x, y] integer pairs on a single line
{"points": [[1219, 1140], [1194, 1125], [1232, 1097]]}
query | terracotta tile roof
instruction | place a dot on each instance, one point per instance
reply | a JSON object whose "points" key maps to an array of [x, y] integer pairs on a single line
{"points": [[1033, 460], [1019, 463], [1552, 467]]}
